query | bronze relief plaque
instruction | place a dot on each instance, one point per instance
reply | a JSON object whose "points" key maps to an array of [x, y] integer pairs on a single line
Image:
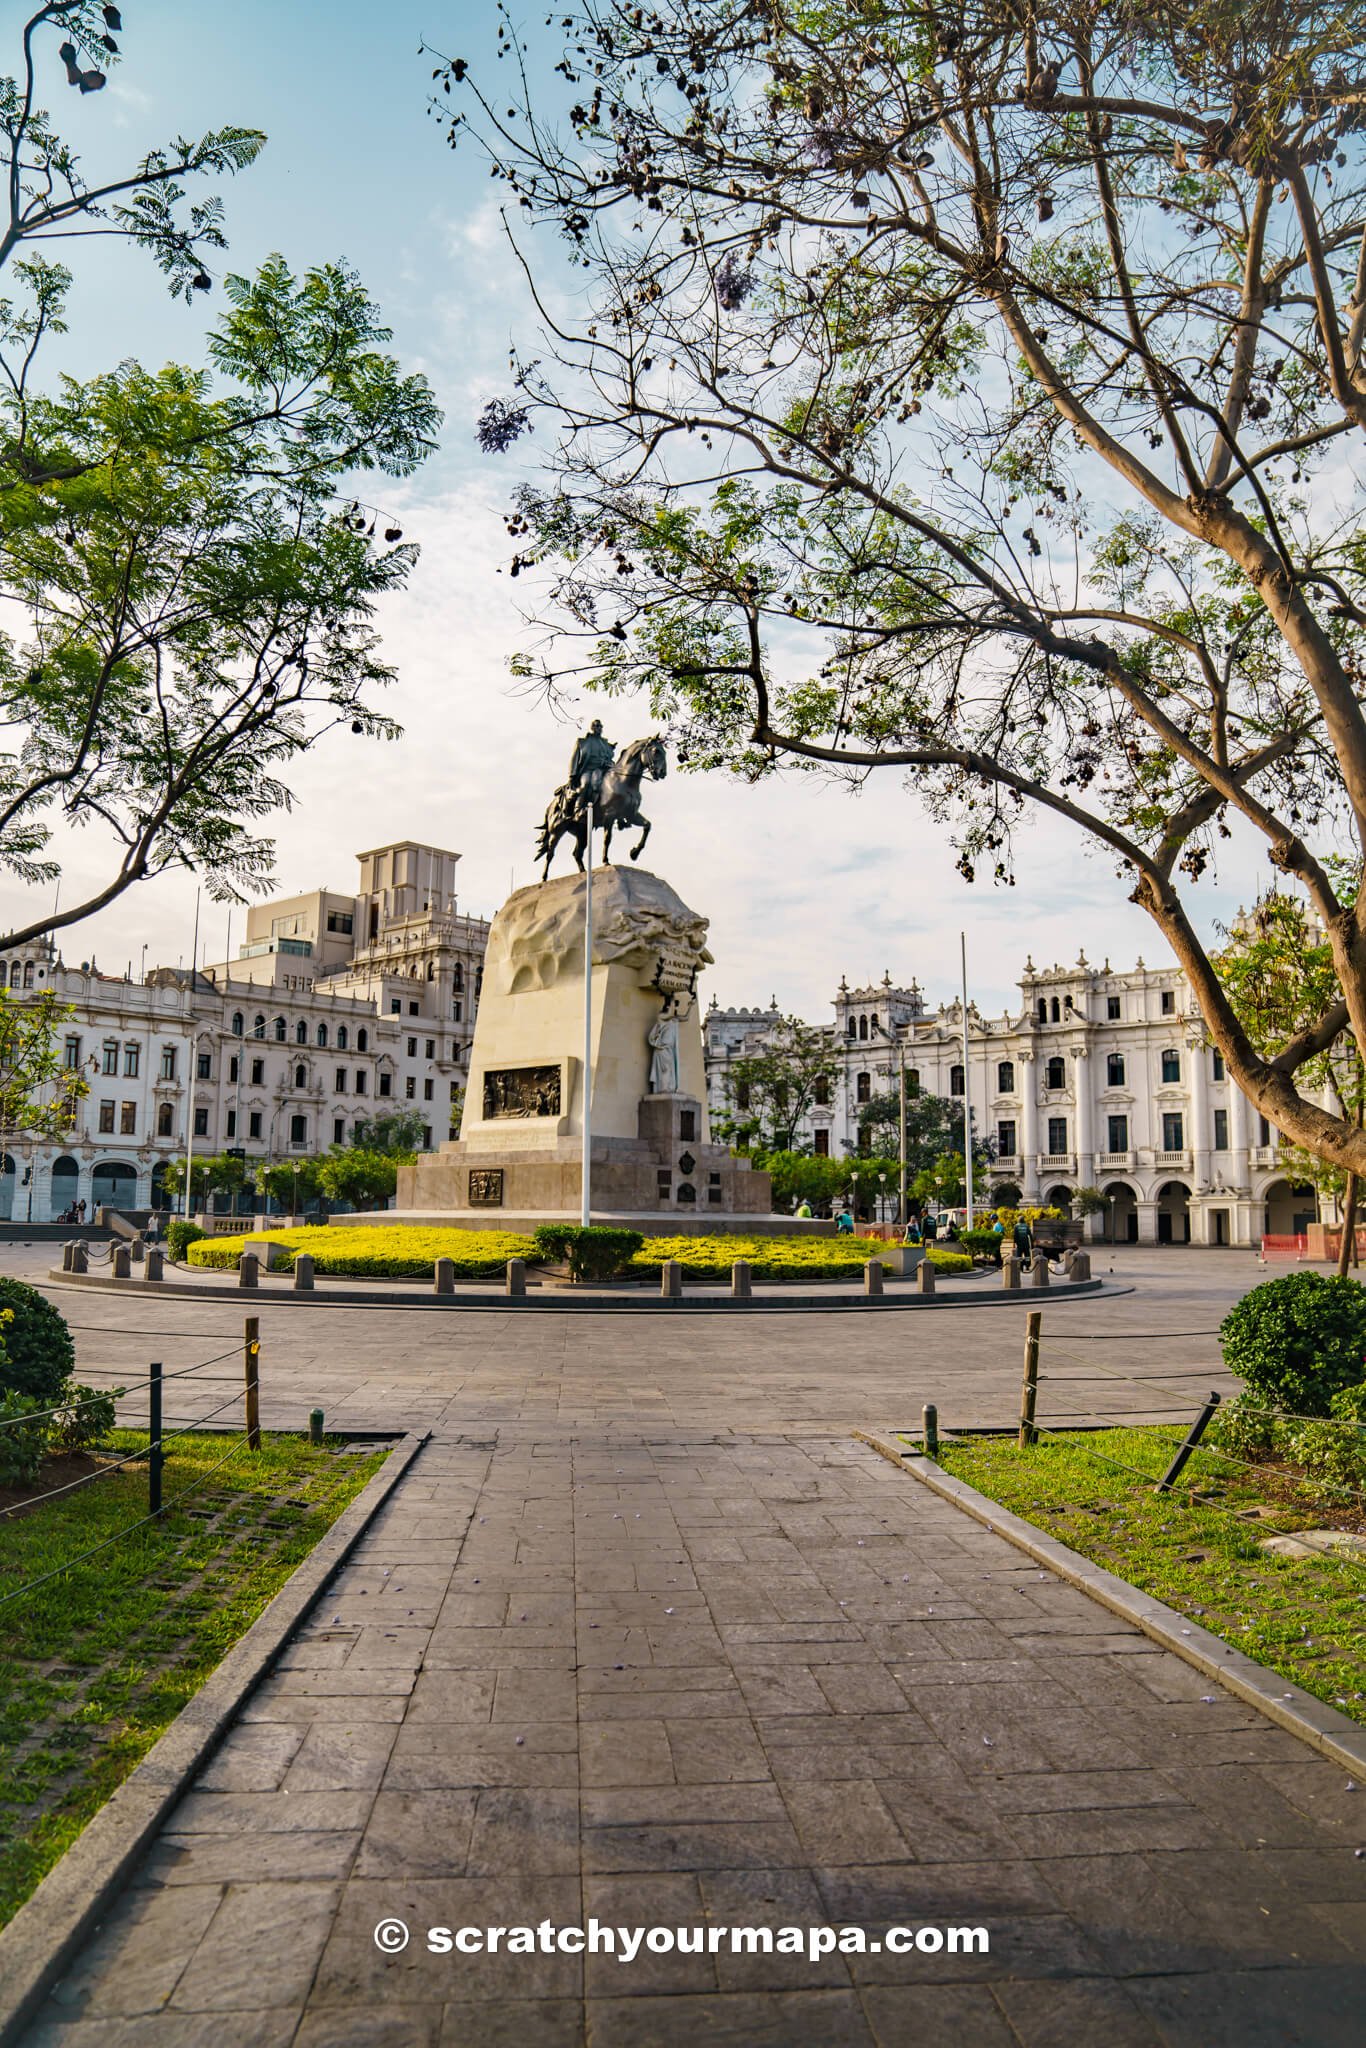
{"points": [[486, 1187], [521, 1091]]}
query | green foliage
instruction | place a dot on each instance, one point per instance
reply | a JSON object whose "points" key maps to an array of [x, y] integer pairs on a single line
{"points": [[594, 1253], [397, 1135], [934, 1127], [403, 1252], [23, 1439], [942, 1181], [216, 1173], [1298, 1341], [84, 1419], [359, 1176], [290, 1181], [774, 1090], [1089, 1201], [180, 1235], [802, 1177], [1349, 1404], [982, 1244], [38, 1351], [1333, 1454], [38, 1093], [1246, 1428]]}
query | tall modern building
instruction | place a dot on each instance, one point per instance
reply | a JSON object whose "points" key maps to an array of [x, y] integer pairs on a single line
{"points": [[1100, 1078]]}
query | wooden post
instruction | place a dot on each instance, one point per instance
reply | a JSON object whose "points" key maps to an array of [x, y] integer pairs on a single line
{"points": [[1030, 1386], [154, 1451], [251, 1359]]}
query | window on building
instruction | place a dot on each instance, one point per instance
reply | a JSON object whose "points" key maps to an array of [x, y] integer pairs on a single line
{"points": [[1219, 1068], [320, 1035], [298, 1130], [301, 1031], [955, 1080], [1005, 1140], [458, 1012], [1055, 1076], [428, 1089], [455, 1091], [863, 1027], [1057, 1134], [912, 1080], [230, 1123], [742, 1095], [386, 1083], [412, 1048], [234, 1068], [1112, 1008], [410, 1087], [821, 1144], [361, 1083], [254, 1124], [1005, 1078], [1118, 1132], [258, 1073], [106, 1116], [301, 1075], [168, 1062], [1171, 1064], [362, 1040], [258, 1029], [1173, 1130], [281, 1030], [338, 1130], [128, 1119], [343, 1038], [340, 921], [821, 1092], [71, 1051], [1055, 1010], [853, 1027], [863, 1088], [131, 1060], [239, 1024], [201, 1123], [1221, 1130], [431, 1048], [1263, 1131], [1114, 1070], [395, 1007], [413, 1009], [1169, 1002], [109, 1059], [203, 1066], [165, 1120], [1041, 1009], [341, 1080]]}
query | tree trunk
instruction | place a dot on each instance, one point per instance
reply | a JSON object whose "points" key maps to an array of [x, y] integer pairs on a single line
{"points": [[1347, 1249]]}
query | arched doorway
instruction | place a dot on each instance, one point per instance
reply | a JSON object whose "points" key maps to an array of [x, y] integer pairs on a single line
{"points": [[1122, 1205], [66, 1173], [113, 1185], [1059, 1198], [8, 1179], [1289, 1209], [1006, 1195], [1174, 1213], [160, 1198]]}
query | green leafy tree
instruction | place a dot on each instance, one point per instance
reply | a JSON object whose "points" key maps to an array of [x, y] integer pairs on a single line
{"points": [[943, 1181], [356, 1175], [945, 391], [215, 1173], [398, 1135], [934, 1124], [802, 1177], [774, 1091], [38, 1094], [291, 1183]]}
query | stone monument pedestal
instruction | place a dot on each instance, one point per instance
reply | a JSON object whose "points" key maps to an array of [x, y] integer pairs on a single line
{"points": [[519, 1157]]}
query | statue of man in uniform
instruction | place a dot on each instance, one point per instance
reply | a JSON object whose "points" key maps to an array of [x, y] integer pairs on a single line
{"points": [[593, 756]]}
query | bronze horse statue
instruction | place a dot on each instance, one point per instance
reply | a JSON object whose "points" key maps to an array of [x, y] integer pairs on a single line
{"points": [[618, 803]]}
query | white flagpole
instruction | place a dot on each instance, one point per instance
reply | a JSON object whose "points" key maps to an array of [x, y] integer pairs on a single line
{"points": [[191, 1045], [967, 1086], [586, 1212]]}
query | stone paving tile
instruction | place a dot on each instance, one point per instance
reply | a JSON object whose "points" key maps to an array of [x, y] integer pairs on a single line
{"points": [[862, 1709]]}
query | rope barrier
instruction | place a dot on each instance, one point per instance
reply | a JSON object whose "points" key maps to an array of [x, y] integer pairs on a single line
{"points": [[68, 1407]]}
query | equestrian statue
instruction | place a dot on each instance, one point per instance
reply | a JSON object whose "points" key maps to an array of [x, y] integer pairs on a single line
{"points": [[606, 782]]}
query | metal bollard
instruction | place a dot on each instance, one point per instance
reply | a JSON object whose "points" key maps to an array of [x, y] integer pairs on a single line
{"points": [[443, 1278], [515, 1280], [315, 1425], [303, 1273], [929, 1416], [924, 1277], [741, 1281], [671, 1280], [872, 1277], [122, 1263], [248, 1270], [155, 1268]]}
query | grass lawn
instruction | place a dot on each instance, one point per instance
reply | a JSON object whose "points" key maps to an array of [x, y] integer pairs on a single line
{"points": [[1305, 1618], [96, 1663], [407, 1250]]}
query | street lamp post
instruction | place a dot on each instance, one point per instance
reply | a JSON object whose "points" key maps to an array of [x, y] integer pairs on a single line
{"points": [[854, 1177], [295, 1165], [882, 1198], [900, 1043]]}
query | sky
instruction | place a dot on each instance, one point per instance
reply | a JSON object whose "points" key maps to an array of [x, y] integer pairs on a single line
{"points": [[802, 880]]}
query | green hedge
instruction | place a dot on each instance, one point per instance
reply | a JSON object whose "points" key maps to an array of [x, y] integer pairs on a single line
{"points": [[590, 1252], [1298, 1341], [36, 1351]]}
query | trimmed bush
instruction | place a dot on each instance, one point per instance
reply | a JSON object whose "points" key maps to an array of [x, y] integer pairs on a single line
{"points": [[180, 1235], [1298, 1341], [23, 1444], [982, 1244], [36, 1351], [85, 1419], [592, 1253], [945, 1260], [397, 1252]]}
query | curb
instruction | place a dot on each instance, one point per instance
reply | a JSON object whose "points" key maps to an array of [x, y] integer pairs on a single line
{"points": [[1332, 1734], [561, 1301], [66, 1908]]}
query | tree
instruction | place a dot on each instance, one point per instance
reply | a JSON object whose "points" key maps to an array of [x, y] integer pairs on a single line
{"points": [[1277, 969], [940, 390], [199, 609], [942, 1180], [194, 602], [775, 1090], [398, 1134], [38, 1094], [291, 1183], [802, 1177], [934, 1124], [359, 1176], [214, 1173]]}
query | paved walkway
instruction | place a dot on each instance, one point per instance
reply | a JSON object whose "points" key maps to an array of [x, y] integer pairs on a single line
{"points": [[656, 1674]]}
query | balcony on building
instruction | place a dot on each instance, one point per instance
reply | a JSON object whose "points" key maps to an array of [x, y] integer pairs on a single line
{"points": [[1179, 1158], [1057, 1162], [1116, 1162]]}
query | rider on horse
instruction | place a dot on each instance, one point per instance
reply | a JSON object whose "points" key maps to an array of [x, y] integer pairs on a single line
{"points": [[593, 756]]}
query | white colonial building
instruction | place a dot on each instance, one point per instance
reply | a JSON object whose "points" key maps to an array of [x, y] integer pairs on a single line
{"points": [[337, 1008], [1101, 1079]]}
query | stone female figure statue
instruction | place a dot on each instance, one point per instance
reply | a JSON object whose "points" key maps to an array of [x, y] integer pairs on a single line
{"points": [[663, 1040]]}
